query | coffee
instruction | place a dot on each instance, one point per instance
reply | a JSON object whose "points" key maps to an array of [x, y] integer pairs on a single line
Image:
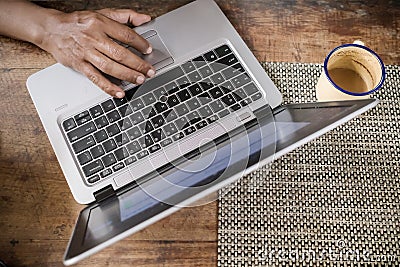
{"points": [[348, 79]]}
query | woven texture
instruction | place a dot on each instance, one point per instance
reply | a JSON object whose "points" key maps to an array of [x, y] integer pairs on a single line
{"points": [[334, 201]]}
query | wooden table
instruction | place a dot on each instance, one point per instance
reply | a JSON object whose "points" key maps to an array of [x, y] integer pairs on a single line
{"points": [[37, 211]]}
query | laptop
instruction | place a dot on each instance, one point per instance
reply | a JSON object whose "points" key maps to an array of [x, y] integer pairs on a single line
{"points": [[209, 116]]}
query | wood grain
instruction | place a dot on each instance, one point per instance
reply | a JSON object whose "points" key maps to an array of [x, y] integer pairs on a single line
{"points": [[37, 211]]}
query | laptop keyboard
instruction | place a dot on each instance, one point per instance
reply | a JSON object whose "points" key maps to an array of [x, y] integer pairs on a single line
{"points": [[118, 132]]}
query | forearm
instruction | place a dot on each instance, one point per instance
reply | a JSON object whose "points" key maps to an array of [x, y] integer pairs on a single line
{"points": [[25, 21]]}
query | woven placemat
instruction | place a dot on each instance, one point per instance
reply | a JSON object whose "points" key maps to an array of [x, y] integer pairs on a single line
{"points": [[334, 201]]}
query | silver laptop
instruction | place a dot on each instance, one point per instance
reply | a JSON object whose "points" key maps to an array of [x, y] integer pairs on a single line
{"points": [[210, 116]]}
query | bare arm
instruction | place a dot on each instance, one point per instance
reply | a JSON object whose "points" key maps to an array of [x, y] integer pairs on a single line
{"points": [[82, 40]]}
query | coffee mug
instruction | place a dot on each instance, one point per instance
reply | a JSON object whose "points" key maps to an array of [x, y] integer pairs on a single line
{"points": [[350, 71]]}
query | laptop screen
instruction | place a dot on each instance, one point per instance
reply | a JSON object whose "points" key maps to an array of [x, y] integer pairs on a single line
{"points": [[133, 209]]}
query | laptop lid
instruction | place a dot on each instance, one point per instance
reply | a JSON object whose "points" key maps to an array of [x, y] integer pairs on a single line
{"points": [[181, 183]]}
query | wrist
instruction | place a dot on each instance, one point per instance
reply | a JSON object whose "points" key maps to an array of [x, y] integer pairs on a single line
{"points": [[44, 28]]}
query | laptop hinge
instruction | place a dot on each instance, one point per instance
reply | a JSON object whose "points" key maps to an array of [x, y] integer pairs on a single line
{"points": [[104, 193]]}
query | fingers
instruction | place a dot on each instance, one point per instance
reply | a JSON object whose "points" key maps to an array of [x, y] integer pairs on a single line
{"points": [[95, 76], [125, 16], [109, 57]]}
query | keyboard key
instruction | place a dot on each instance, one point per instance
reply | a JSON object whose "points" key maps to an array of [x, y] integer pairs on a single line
{"points": [[235, 107], [101, 122], [148, 99], [137, 104], [178, 136], [245, 102], [188, 67], [154, 148], [223, 50], [84, 158], [230, 72], [183, 82], [227, 87], [108, 105], [210, 56], [83, 144], [189, 130], [148, 112], [130, 160], [109, 159], [170, 129], [142, 154], [250, 89], [256, 96], [181, 109], [216, 92], [105, 173], [158, 121], [240, 93], [109, 145], [118, 166], [69, 124], [81, 115], [194, 76], [224, 62], [193, 104], [212, 119], [92, 168], [134, 133], [205, 111], [173, 101], [201, 125], [217, 105], [160, 107], [125, 124], [170, 115], [145, 141], [157, 135], [97, 151], [184, 95], [181, 123], [112, 130], [206, 84], [193, 117], [121, 153], [113, 116], [199, 61], [166, 142], [121, 139], [217, 78], [241, 80], [228, 100], [205, 71], [136, 117], [125, 110], [133, 147], [223, 113], [195, 89], [146, 127], [204, 98], [81, 131], [94, 179], [120, 101]]}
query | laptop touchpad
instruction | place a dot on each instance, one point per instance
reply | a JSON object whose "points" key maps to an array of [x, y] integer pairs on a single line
{"points": [[160, 57]]}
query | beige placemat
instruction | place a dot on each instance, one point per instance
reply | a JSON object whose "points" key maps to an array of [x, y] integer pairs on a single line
{"points": [[334, 201]]}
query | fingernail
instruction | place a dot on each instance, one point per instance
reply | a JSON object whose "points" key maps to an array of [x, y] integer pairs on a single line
{"points": [[140, 80], [149, 50], [151, 73], [119, 94]]}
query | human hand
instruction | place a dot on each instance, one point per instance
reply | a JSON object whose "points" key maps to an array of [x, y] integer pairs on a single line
{"points": [[84, 41]]}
